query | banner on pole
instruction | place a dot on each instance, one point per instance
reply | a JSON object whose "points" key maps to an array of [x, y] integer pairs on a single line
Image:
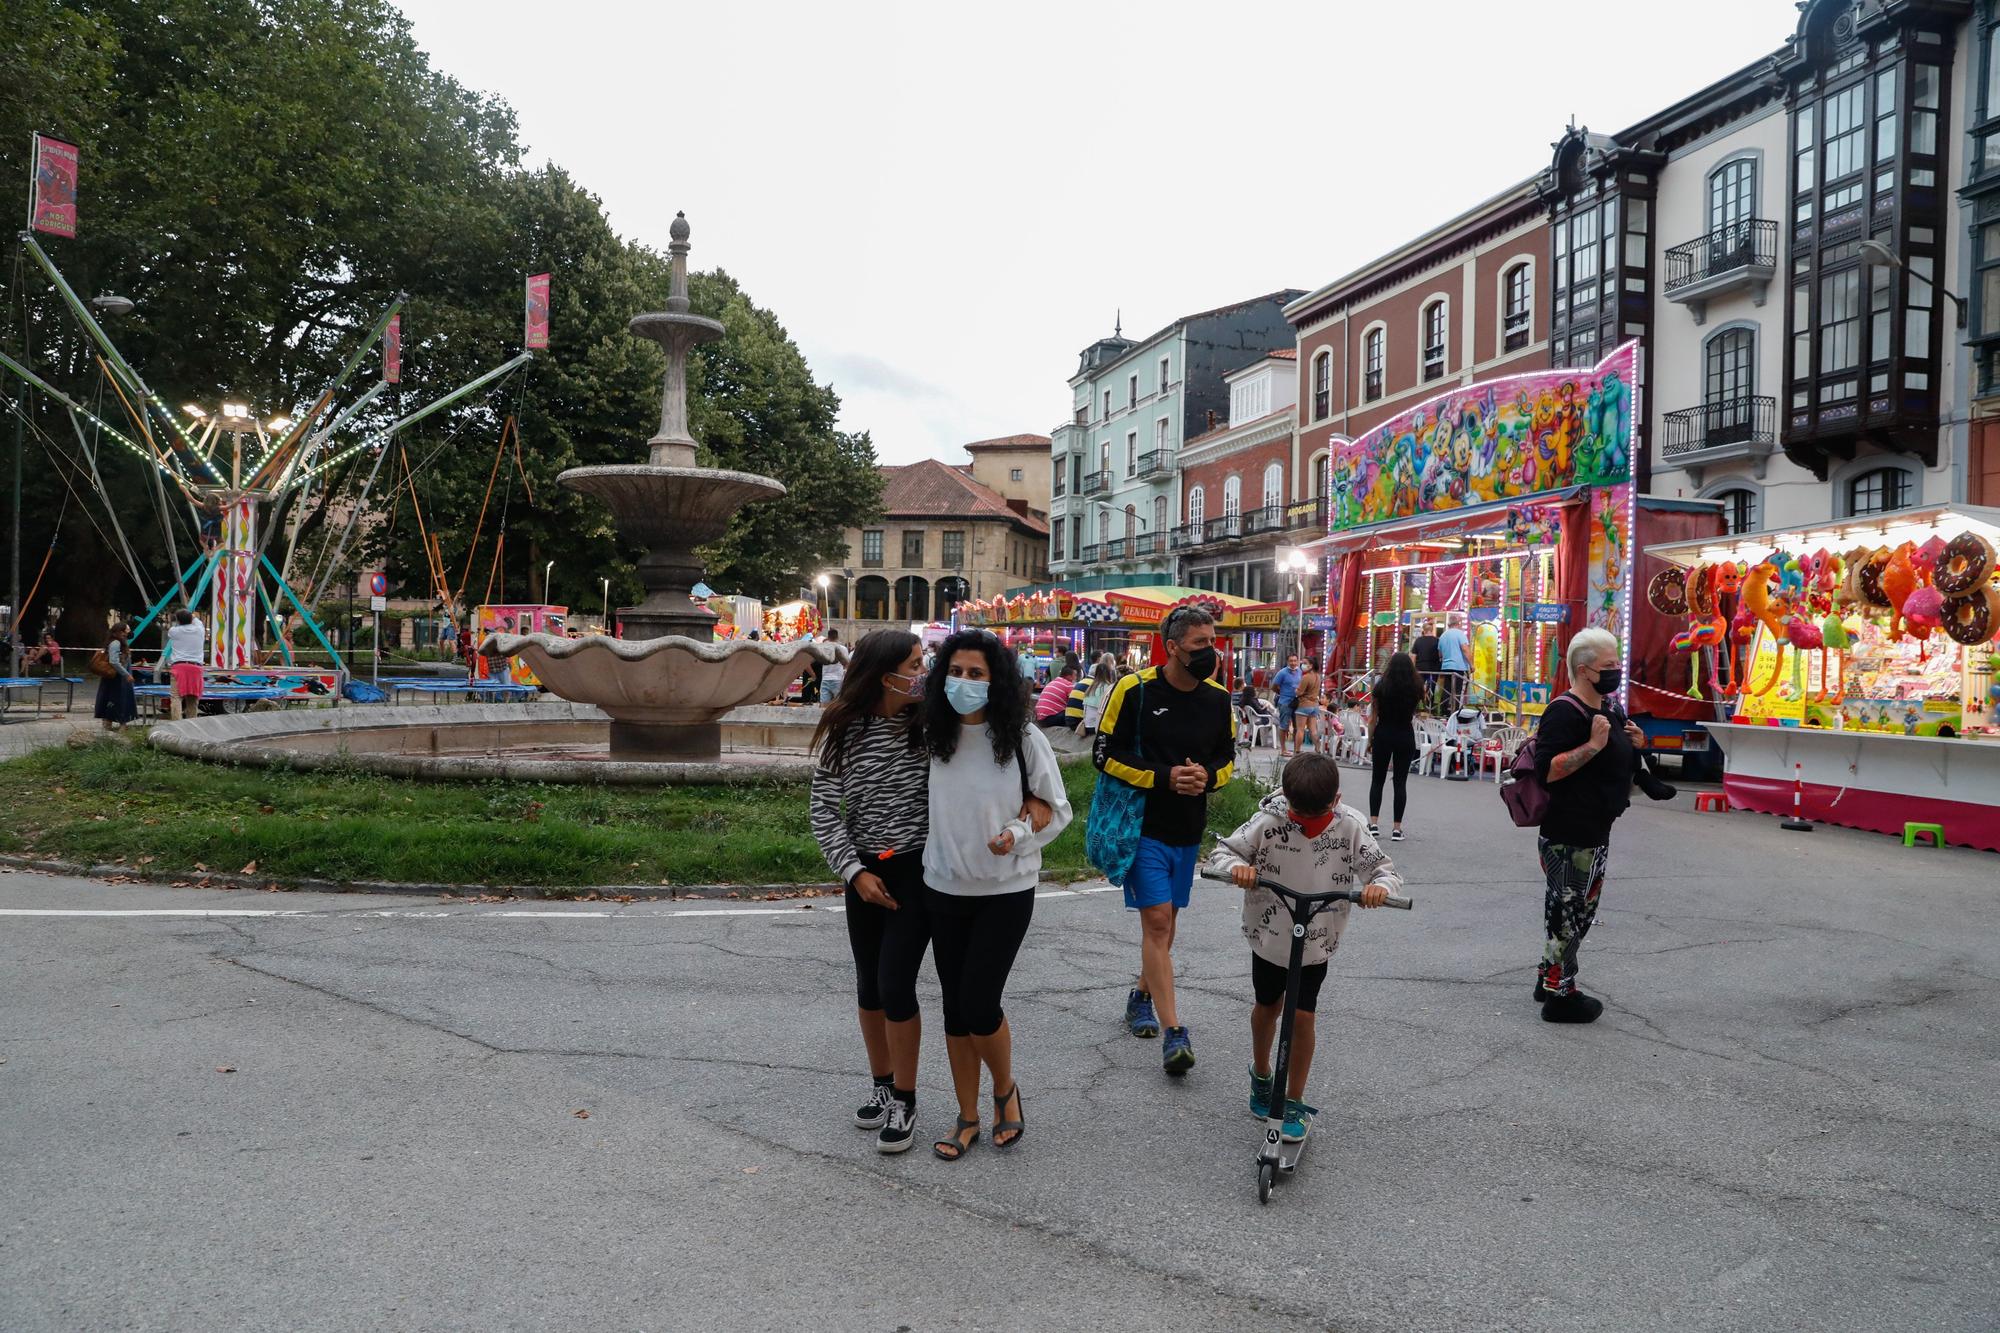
{"points": [[537, 334], [392, 351], [52, 200]]}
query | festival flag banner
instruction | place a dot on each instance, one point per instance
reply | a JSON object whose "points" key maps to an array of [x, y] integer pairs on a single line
{"points": [[392, 351], [536, 336], [52, 199]]}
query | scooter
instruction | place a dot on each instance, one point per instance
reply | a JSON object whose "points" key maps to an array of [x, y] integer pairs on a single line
{"points": [[1277, 1155]]}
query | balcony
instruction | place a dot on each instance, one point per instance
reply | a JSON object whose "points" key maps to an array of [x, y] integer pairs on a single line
{"points": [[1225, 529], [1115, 549], [1721, 432], [1157, 463], [1145, 544], [1271, 518], [1185, 537], [1739, 257], [1093, 483], [1087, 555]]}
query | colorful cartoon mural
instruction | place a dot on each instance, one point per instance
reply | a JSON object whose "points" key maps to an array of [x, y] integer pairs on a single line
{"points": [[1610, 540], [1501, 440]]}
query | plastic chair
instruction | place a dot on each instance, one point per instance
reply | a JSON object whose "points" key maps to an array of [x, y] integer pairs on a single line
{"points": [[1254, 722], [1430, 746]]}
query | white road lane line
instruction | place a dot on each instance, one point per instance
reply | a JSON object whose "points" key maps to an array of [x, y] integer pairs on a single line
{"points": [[434, 914]]}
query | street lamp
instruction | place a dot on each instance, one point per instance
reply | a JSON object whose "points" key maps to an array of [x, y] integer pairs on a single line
{"points": [[1874, 253], [1293, 564], [545, 579], [822, 582], [605, 619]]}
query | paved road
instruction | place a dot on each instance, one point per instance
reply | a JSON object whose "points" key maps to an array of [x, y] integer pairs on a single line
{"points": [[1786, 1120]]}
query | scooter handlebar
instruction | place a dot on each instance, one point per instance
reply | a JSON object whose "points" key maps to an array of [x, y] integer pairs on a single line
{"points": [[1330, 896]]}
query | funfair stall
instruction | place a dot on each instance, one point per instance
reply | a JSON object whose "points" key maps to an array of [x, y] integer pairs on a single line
{"points": [[1507, 504], [1125, 622], [1857, 661]]}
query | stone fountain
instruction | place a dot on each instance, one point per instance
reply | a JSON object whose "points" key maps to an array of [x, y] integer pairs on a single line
{"points": [[666, 688]]}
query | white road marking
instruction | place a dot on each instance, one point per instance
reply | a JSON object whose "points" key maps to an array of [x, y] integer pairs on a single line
{"points": [[434, 914]]}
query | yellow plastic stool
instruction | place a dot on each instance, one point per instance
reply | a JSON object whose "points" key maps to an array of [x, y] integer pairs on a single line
{"points": [[1913, 831]]}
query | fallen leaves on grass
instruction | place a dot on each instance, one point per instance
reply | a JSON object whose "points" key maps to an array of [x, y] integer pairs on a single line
{"points": [[250, 869]]}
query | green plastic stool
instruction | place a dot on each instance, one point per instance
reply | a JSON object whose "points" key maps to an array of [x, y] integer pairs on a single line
{"points": [[1911, 832]]}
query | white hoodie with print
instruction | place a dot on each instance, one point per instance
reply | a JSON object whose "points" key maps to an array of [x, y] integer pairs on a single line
{"points": [[1344, 855]]}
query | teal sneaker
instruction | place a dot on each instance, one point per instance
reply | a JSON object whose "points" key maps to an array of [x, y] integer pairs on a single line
{"points": [[1260, 1094], [1298, 1120], [1139, 1015]]}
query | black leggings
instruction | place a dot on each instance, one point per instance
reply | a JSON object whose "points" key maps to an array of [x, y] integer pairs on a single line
{"points": [[1395, 751], [889, 946], [974, 941]]}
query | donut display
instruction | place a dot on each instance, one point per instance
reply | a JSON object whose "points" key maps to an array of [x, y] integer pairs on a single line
{"points": [[1964, 566], [1700, 591], [1668, 592], [1870, 584], [1971, 618]]}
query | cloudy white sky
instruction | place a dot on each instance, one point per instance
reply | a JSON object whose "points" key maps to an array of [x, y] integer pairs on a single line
{"points": [[945, 202]]}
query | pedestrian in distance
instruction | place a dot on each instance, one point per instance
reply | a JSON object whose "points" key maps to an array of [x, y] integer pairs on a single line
{"points": [[870, 815], [982, 862], [116, 704], [1285, 694], [1171, 732], [187, 649], [1586, 753], [1053, 701], [1096, 694], [1306, 710], [1392, 739], [1455, 655], [1430, 663], [1306, 840], [831, 674]]}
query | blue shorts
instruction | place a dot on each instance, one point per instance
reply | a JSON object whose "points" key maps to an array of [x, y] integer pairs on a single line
{"points": [[1285, 710], [1160, 874]]}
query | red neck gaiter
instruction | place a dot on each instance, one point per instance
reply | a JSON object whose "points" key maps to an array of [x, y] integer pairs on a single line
{"points": [[1314, 825]]}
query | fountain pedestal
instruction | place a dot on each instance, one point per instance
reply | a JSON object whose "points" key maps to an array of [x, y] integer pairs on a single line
{"points": [[667, 686]]}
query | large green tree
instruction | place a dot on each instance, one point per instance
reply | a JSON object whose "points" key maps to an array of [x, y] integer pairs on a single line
{"points": [[261, 177]]}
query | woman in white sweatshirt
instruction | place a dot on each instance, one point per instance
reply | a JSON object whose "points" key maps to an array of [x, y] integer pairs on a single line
{"points": [[982, 861]]}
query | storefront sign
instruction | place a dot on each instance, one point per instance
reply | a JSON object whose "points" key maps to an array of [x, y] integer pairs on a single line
{"points": [[1324, 624], [1504, 439], [1549, 613], [1274, 618]]}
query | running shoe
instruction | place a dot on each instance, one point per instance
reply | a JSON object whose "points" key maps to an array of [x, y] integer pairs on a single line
{"points": [[900, 1129], [1139, 1015], [1260, 1094], [1374, 829], [873, 1112], [1177, 1055], [1298, 1120], [1395, 835]]}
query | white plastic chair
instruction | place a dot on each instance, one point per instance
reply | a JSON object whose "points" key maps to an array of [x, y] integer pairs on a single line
{"points": [[1253, 723], [1354, 739], [1430, 745]]}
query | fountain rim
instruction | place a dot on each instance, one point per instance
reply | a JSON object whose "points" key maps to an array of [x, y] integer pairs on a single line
{"points": [[667, 471], [637, 650]]}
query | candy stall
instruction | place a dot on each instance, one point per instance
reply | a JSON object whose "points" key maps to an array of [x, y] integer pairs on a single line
{"points": [[1857, 664]]}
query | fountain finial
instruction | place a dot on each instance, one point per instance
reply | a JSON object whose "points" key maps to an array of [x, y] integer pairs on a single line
{"points": [[676, 330], [677, 292]]}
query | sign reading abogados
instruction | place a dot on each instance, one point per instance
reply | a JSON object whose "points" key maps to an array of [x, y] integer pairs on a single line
{"points": [[1502, 439]]}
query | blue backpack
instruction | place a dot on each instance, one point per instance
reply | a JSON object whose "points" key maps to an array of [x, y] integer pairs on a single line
{"points": [[1117, 810]]}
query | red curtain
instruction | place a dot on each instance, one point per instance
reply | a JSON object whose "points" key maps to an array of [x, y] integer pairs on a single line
{"points": [[1572, 581], [1347, 611]]}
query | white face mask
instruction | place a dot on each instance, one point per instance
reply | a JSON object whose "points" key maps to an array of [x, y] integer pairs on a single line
{"points": [[965, 696]]}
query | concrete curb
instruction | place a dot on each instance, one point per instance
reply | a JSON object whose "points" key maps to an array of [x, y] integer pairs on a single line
{"points": [[209, 879]]}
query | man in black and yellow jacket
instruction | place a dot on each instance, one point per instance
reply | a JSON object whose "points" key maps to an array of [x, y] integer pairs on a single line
{"points": [[1169, 731]]}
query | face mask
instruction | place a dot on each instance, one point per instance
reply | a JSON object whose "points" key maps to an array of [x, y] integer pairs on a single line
{"points": [[1314, 825], [1201, 662], [910, 685], [965, 696], [1609, 679]]}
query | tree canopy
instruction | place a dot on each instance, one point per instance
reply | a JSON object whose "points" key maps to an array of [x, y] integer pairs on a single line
{"points": [[261, 177]]}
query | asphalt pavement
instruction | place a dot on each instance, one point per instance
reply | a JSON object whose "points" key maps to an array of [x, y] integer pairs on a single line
{"points": [[380, 1113]]}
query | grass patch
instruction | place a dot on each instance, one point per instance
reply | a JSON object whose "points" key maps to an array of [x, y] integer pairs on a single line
{"points": [[112, 803]]}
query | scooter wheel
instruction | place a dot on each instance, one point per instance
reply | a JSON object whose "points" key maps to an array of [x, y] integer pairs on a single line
{"points": [[1266, 1173]]}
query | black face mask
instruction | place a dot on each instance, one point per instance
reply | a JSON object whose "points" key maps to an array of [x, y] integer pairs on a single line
{"points": [[1201, 663], [1609, 679]]}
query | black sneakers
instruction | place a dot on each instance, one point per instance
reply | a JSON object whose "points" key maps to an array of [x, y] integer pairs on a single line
{"points": [[1575, 1007], [900, 1129], [872, 1113]]}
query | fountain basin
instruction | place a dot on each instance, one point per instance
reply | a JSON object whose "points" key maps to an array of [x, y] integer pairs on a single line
{"points": [[674, 507], [664, 696]]}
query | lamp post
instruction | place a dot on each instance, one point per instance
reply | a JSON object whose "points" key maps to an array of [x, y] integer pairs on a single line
{"points": [[545, 580], [1874, 253], [1293, 564], [822, 582], [604, 620]]}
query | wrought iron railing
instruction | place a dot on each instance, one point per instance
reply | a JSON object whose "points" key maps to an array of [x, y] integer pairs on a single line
{"points": [[1087, 554], [1115, 549], [1307, 514], [1146, 543], [1271, 518], [1188, 534], [1226, 528], [1156, 462], [1093, 482], [1745, 420], [1746, 244]]}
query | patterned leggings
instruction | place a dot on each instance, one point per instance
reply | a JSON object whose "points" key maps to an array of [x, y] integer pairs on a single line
{"points": [[1576, 880]]}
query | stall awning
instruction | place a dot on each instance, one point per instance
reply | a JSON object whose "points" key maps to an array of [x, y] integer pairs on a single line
{"points": [[1945, 521], [1477, 521]]}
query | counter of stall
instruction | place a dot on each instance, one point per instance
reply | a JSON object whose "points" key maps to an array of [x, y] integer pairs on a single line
{"points": [[1855, 662]]}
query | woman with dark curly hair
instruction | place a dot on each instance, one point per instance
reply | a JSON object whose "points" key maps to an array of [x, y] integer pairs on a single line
{"points": [[981, 863]]}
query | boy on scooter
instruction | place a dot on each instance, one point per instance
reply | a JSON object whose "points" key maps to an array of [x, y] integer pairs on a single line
{"points": [[1307, 841]]}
